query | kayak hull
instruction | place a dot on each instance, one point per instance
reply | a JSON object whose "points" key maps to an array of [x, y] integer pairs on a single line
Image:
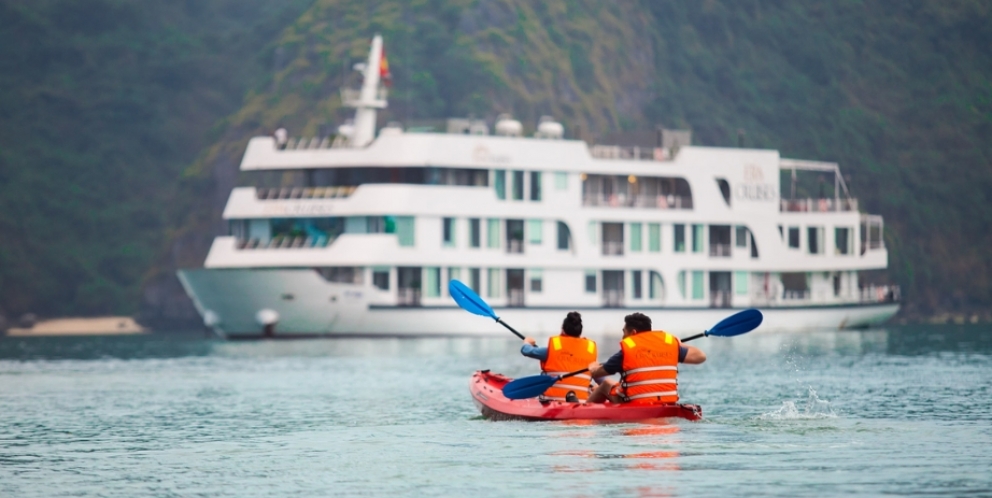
{"points": [[487, 393]]}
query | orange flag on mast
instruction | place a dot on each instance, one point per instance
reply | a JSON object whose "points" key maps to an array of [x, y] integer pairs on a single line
{"points": [[384, 74]]}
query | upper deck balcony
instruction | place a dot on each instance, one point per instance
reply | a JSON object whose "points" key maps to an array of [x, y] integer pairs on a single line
{"points": [[810, 189], [636, 192]]}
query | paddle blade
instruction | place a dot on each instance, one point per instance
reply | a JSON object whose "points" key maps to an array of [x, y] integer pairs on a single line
{"points": [[737, 324], [528, 387], [469, 300]]}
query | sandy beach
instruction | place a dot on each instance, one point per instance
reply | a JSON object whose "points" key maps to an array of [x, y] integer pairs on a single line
{"points": [[106, 325]]}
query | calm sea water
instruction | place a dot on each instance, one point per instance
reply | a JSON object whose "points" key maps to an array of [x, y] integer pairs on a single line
{"points": [[900, 411]]}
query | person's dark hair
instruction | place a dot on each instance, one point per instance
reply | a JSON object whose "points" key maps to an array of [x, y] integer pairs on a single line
{"points": [[572, 324], [638, 322]]}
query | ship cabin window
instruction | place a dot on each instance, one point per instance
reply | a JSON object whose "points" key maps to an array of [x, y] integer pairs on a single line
{"points": [[636, 191], [535, 185], [654, 237], [475, 233], [518, 185], [404, 230], [342, 274], [697, 238], [536, 280], [535, 231], [679, 237], [698, 282], [724, 189], [612, 239], [656, 286], [453, 274], [681, 284], [740, 236], [564, 237], [740, 283], [720, 241], [515, 287], [635, 237], [492, 290], [432, 278], [795, 286], [408, 280], [814, 237], [492, 233], [515, 236], [499, 183], [794, 237], [308, 179], [842, 241], [299, 232], [380, 278], [475, 280], [591, 281], [561, 180], [635, 281], [448, 231]]}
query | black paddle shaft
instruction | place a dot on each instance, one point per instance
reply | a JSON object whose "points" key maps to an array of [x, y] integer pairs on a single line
{"points": [[511, 329]]}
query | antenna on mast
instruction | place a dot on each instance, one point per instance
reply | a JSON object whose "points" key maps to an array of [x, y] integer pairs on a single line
{"points": [[370, 96]]}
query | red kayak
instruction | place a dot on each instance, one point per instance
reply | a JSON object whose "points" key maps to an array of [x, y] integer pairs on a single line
{"points": [[487, 392]]}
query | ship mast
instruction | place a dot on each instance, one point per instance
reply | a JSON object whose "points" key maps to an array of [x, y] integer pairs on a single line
{"points": [[369, 98]]}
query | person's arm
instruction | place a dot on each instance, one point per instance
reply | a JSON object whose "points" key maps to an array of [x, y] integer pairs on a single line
{"points": [[612, 366], [530, 350], [692, 355]]}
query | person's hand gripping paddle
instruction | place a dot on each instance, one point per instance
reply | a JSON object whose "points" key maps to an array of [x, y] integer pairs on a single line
{"points": [[534, 385], [471, 302]]}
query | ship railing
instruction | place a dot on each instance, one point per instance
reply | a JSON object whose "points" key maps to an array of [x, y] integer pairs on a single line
{"points": [[286, 242], [720, 299], [613, 248], [795, 295], [719, 250], [408, 296], [880, 294], [613, 299], [284, 193], [515, 298], [822, 205], [306, 143], [638, 201], [630, 153]]}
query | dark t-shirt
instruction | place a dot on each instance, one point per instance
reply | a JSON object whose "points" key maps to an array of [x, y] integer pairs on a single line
{"points": [[615, 363]]}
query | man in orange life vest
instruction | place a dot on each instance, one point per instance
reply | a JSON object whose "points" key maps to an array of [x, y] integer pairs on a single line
{"points": [[565, 353], [647, 363]]}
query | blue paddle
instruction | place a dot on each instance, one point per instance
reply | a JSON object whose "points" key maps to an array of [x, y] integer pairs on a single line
{"points": [[471, 302], [534, 385]]}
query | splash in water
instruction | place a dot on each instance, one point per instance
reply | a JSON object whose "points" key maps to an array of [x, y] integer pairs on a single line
{"points": [[815, 408]]}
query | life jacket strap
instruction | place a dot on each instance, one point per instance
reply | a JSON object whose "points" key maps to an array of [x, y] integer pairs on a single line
{"points": [[653, 394], [652, 369], [577, 376], [647, 382]]}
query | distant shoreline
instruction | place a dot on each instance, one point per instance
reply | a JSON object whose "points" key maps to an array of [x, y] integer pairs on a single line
{"points": [[106, 325]]}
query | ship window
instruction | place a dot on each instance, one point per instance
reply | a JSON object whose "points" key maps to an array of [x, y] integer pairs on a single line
{"points": [[740, 283], [564, 236], [635, 237], [380, 278], [635, 280], [740, 236], [433, 279], [561, 180], [475, 279], [342, 274], [518, 185], [493, 281], [724, 189], [697, 285], [842, 240], [449, 231], [405, 230], [499, 182], [679, 237], [492, 233], [697, 238], [593, 226], [515, 236], [681, 283], [535, 231], [535, 185], [654, 237], [536, 280], [475, 233], [656, 286], [590, 281], [754, 245], [815, 239], [454, 274], [794, 237]]}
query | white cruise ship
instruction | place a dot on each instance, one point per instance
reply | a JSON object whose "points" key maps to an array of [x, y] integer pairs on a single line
{"points": [[538, 225]]}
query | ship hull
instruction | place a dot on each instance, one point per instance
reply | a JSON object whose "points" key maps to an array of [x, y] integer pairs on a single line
{"points": [[230, 300]]}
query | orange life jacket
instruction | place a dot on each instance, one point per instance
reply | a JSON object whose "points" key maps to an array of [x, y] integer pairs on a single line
{"points": [[568, 354], [650, 368]]}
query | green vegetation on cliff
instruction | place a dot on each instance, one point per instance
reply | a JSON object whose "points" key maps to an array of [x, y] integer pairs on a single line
{"points": [[109, 176]]}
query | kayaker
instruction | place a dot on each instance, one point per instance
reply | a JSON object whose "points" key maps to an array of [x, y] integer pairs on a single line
{"points": [[566, 352], [647, 363]]}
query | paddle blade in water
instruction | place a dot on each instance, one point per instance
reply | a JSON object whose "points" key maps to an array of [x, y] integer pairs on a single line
{"points": [[469, 300], [737, 324], [528, 387]]}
